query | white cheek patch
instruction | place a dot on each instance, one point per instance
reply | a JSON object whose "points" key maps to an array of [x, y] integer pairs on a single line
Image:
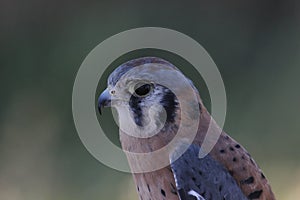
{"points": [[154, 122], [155, 119], [195, 194]]}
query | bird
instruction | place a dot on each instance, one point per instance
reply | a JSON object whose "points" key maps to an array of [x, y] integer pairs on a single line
{"points": [[150, 115]]}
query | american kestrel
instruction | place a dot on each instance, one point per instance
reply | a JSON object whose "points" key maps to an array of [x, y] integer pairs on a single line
{"points": [[227, 172]]}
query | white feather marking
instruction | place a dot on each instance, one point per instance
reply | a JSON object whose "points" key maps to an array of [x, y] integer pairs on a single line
{"points": [[195, 194]]}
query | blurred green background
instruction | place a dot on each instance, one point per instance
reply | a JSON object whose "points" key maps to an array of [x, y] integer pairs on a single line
{"points": [[255, 44]]}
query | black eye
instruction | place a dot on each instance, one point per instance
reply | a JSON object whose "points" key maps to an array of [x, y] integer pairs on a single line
{"points": [[143, 90]]}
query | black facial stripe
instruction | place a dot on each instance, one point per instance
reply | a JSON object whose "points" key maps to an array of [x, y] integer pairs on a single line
{"points": [[170, 104], [136, 110]]}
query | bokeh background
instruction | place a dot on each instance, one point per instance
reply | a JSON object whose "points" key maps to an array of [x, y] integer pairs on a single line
{"points": [[255, 44]]}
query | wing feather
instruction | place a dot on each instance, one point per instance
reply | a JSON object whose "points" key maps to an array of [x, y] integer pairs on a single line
{"points": [[203, 178]]}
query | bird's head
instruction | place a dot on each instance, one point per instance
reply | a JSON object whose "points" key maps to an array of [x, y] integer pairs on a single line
{"points": [[147, 94]]}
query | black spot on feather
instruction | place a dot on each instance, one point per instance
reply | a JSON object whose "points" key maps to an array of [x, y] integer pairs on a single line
{"points": [[255, 195], [163, 192], [248, 180]]}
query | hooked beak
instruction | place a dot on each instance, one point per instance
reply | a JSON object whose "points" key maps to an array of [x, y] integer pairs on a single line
{"points": [[104, 100]]}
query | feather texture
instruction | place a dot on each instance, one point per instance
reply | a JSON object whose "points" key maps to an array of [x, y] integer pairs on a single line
{"points": [[228, 172]]}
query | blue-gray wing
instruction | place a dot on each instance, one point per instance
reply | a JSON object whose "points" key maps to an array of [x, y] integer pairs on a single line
{"points": [[203, 178]]}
